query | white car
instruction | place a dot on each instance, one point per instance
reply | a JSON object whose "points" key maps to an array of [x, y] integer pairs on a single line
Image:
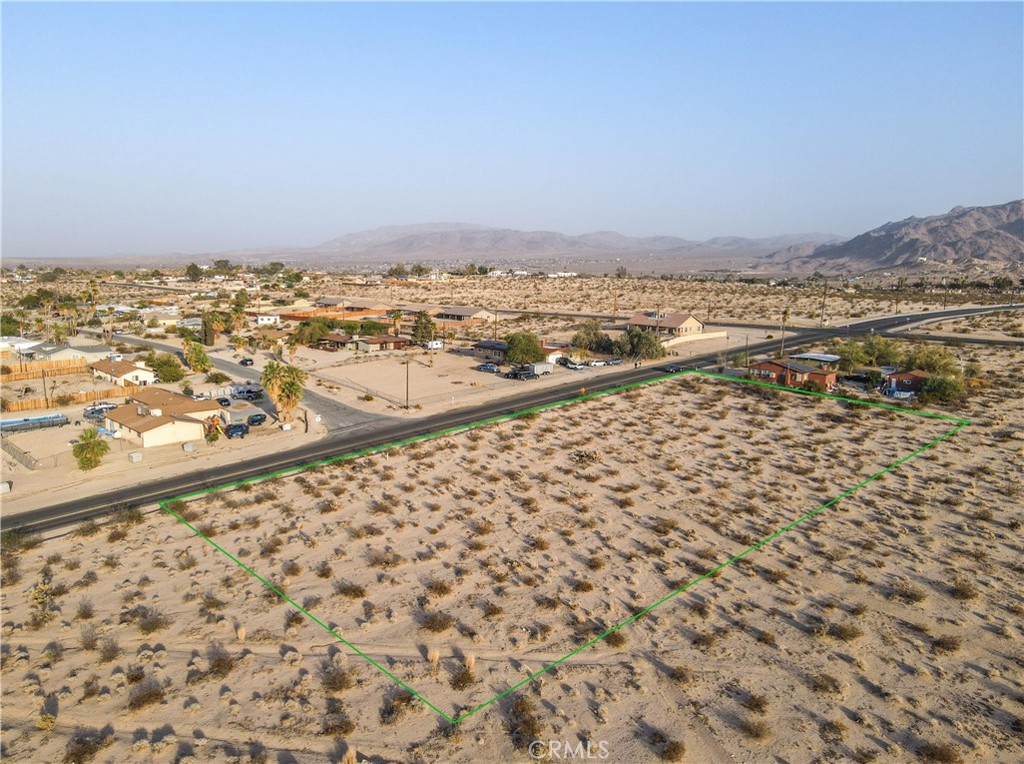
{"points": [[598, 362]]}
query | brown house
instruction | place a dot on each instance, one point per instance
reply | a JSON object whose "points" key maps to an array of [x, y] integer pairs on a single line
{"points": [[791, 374], [907, 381]]}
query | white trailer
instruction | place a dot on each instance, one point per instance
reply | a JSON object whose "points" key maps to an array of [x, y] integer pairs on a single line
{"points": [[541, 368]]}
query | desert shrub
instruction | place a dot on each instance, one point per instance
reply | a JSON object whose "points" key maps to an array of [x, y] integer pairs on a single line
{"points": [[941, 753], [84, 743], [437, 622], [847, 632], [963, 589], [145, 693], [349, 589], [86, 529], [10, 572], [151, 619], [91, 687], [766, 637], [117, 534], [88, 638], [583, 587], [134, 674], [323, 569], [220, 662], [833, 731], [291, 568], [681, 675], [946, 644], [186, 562], [672, 750], [757, 703], [825, 683], [616, 639], [211, 602], [524, 723], [665, 525], [292, 618], [492, 609], [704, 640], [439, 587], [595, 563], [755, 728], [380, 558], [908, 592], [53, 651], [335, 678], [395, 708], [270, 546], [109, 649], [463, 678]]}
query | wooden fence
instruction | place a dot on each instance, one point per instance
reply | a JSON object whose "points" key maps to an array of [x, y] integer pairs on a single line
{"points": [[69, 366], [80, 367], [68, 399]]}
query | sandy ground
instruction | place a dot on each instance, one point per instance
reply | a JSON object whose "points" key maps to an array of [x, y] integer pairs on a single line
{"points": [[887, 623], [1004, 325], [61, 479], [442, 380]]}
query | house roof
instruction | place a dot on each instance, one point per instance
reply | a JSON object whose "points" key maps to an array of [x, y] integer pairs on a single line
{"points": [[819, 357], [332, 337], [117, 368], [129, 416], [784, 363], [48, 348], [919, 373], [171, 403], [668, 320], [381, 339], [462, 310], [491, 345]]}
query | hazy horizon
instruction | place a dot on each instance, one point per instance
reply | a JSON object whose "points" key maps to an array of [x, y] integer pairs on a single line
{"points": [[196, 128]]}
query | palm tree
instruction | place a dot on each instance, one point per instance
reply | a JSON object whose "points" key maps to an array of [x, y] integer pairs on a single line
{"points": [[90, 449], [396, 319], [284, 385]]}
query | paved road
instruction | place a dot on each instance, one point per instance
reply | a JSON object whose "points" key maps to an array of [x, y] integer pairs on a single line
{"points": [[368, 432], [336, 415]]}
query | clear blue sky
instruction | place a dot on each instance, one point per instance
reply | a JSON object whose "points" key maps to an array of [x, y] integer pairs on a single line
{"points": [[201, 127]]}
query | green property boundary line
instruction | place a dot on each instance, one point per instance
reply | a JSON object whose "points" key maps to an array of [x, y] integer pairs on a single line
{"points": [[164, 505]]}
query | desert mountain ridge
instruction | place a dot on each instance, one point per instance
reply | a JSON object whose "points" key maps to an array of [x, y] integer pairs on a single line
{"points": [[965, 238]]}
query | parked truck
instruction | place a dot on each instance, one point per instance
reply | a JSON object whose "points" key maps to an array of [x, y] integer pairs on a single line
{"points": [[540, 368]]}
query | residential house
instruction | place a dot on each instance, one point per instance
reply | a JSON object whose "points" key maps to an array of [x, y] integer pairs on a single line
{"points": [[461, 314], [334, 342], [123, 373], [667, 324], [491, 350], [268, 319], [47, 351], [907, 381], [380, 342], [158, 417], [790, 373]]}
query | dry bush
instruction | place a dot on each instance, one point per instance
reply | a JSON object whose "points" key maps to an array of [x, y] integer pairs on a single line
{"points": [[825, 683], [151, 619], [524, 723], [85, 610], [349, 589], [681, 675], [833, 731], [616, 639], [85, 742], [291, 568], [847, 632], [963, 589], [908, 592], [379, 558], [335, 678], [757, 703], [220, 662], [439, 587], [946, 644], [109, 649], [395, 708], [323, 569], [757, 729], [941, 753], [145, 693], [463, 678], [437, 622]]}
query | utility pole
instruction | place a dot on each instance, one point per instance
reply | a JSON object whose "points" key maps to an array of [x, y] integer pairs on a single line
{"points": [[46, 398], [407, 384], [746, 350], [785, 318], [824, 292], [945, 292]]}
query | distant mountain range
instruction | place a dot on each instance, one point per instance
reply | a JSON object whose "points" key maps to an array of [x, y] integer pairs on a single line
{"points": [[965, 238], [462, 241]]}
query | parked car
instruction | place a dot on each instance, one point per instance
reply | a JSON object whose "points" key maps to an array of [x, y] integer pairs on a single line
{"points": [[225, 402], [673, 368], [521, 374], [238, 430], [490, 368], [598, 362], [246, 362], [255, 420], [575, 366], [614, 362], [247, 395]]}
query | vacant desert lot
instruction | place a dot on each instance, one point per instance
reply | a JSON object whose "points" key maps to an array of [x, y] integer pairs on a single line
{"points": [[885, 627]]}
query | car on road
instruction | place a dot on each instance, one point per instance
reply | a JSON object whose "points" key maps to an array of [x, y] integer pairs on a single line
{"points": [[238, 430], [246, 362], [225, 402], [673, 368], [490, 368], [255, 420]]}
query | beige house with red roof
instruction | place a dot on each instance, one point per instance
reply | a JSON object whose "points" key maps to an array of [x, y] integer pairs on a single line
{"points": [[670, 324], [123, 373]]}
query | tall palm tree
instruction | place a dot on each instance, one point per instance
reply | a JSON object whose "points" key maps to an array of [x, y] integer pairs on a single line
{"points": [[285, 386], [90, 449]]}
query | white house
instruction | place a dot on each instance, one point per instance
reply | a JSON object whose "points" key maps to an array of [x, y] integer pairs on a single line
{"points": [[123, 373], [268, 319]]}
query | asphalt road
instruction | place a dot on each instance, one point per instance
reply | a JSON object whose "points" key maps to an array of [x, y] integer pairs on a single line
{"points": [[366, 430]]}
